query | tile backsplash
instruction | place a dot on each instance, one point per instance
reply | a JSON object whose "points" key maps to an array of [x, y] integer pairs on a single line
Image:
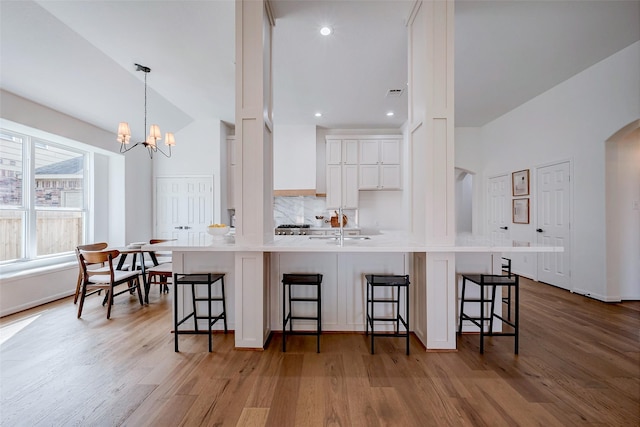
{"points": [[304, 209]]}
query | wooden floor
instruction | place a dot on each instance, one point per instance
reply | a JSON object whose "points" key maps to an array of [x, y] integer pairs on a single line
{"points": [[579, 364]]}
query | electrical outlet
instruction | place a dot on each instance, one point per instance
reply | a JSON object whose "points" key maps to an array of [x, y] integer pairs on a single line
{"points": [[635, 205]]}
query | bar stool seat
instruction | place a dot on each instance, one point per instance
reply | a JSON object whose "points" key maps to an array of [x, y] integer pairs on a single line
{"points": [[490, 283], [289, 280], [396, 283], [193, 280]]}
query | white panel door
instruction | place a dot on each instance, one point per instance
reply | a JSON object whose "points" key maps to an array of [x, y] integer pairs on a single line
{"points": [[184, 208], [553, 197], [499, 209]]}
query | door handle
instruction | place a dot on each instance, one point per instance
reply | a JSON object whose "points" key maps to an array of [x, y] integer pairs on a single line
{"points": [[186, 227], [179, 227], [504, 228], [539, 230]]}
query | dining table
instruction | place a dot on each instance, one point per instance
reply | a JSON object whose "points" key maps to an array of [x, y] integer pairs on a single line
{"points": [[135, 249]]}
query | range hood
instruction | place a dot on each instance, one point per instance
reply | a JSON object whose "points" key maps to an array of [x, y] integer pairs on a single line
{"points": [[294, 160]]}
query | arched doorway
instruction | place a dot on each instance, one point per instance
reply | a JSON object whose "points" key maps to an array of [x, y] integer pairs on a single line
{"points": [[622, 196], [464, 191]]}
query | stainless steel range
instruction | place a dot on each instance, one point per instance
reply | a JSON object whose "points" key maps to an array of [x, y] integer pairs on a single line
{"points": [[292, 229]]}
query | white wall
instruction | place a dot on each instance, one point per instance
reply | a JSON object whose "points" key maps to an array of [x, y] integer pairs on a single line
{"points": [[571, 122]]}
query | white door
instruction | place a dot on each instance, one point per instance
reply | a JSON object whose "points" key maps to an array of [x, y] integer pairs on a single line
{"points": [[499, 209], [553, 197], [184, 208]]}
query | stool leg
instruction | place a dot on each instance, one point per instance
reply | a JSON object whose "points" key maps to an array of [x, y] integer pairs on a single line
{"points": [[372, 317], [195, 312], [224, 306], [493, 308], [517, 314], [406, 290], [366, 319], [284, 317], [175, 312], [464, 283], [482, 318], [396, 290], [210, 318], [319, 325]]}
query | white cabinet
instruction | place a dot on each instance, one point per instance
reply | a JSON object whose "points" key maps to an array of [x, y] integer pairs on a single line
{"points": [[231, 171], [342, 173], [379, 164]]}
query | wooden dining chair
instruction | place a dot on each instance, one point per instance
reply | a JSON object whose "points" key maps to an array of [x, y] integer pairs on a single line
{"points": [[90, 247], [105, 279], [161, 274]]}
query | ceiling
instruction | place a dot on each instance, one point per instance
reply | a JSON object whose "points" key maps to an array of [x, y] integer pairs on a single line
{"points": [[78, 57]]}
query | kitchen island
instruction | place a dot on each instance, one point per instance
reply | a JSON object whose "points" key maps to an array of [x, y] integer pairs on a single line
{"points": [[254, 302]]}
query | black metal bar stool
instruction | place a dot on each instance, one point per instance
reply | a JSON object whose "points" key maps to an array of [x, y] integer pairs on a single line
{"points": [[489, 284], [193, 280], [395, 283], [289, 280]]}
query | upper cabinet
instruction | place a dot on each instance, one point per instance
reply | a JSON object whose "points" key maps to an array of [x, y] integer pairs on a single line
{"points": [[342, 173], [341, 151], [379, 164]]}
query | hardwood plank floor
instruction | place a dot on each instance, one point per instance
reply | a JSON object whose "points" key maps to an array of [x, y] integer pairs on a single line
{"points": [[579, 364]]}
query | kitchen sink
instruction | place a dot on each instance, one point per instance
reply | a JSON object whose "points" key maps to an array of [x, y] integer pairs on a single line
{"points": [[338, 237]]}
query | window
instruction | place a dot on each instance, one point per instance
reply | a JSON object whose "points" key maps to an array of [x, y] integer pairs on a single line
{"points": [[43, 206]]}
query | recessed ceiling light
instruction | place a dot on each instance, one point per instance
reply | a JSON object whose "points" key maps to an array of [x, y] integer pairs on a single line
{"points": [[318, 114], [390, 113], [325, 31]]}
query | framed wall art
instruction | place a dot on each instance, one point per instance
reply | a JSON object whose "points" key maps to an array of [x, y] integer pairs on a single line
{"points": [[520, 183], [521, 211]]}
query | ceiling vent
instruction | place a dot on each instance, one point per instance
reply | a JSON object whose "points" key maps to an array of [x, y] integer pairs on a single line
{"points": [[394, 93]]}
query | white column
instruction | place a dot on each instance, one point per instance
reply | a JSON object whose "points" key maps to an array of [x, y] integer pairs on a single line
{"points": [[431, 150], [254, 170]]}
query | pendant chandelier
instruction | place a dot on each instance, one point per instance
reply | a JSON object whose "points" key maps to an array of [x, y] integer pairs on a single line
{"points": [[151, 143]]}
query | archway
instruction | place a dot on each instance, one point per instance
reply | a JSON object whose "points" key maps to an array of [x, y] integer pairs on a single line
{"points": [[622, 196], [464, 192]]}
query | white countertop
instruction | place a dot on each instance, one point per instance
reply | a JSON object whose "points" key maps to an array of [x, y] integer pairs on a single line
{"points": [[385, 242]]}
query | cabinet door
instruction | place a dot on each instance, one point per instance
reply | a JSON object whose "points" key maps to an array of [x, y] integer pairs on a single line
{"points": [[350, 151], [390, 178], [349, 186], [334, 151], [369, 152], [368, 177], [334, 186], [390, 151]]}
